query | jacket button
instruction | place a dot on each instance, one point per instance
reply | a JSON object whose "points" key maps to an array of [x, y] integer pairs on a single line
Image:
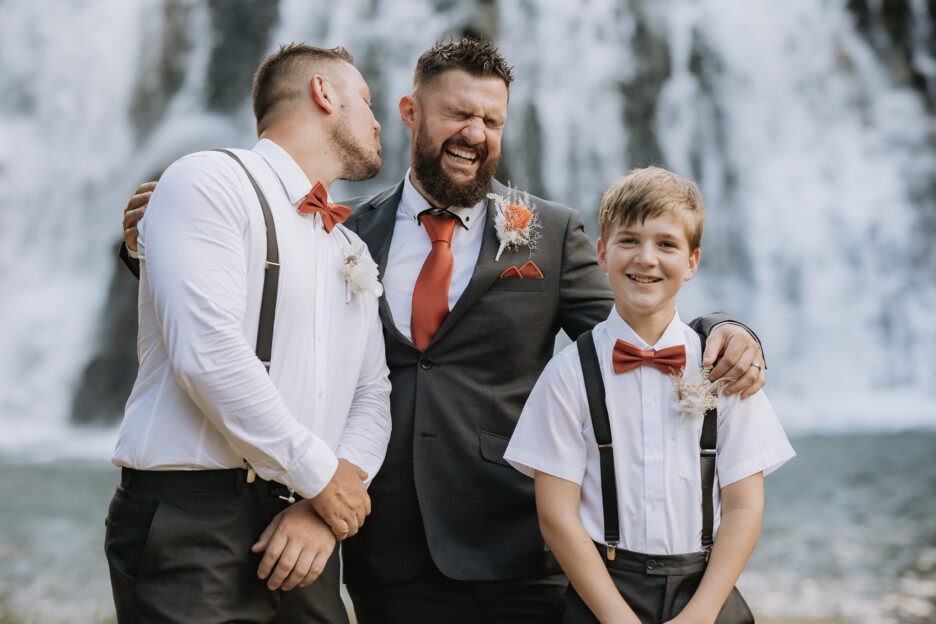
{"points": [[425, 363]]}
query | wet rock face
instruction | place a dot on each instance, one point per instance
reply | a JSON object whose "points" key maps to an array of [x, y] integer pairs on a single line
{"points": [[108, 377], [241, 30], [901, 33]]}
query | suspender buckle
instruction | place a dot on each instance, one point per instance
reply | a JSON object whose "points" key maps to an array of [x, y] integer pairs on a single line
{"points": [[611, 545], [605, 447], [707, 452], [272, 265], [708, 552]]}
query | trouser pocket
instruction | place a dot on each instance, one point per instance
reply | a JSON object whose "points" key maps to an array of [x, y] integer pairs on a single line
{"points": [[128, 523]]}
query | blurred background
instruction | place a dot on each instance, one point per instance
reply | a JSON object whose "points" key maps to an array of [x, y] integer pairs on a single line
{"points": [[808, 124]]}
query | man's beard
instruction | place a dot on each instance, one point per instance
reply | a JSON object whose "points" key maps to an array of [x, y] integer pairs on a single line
{"points": [[357, 162], [442, 190]]}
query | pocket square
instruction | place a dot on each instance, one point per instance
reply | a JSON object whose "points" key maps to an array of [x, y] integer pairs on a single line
{"points": [[527, 271]]}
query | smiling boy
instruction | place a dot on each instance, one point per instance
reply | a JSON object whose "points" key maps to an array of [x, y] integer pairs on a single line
{"points": [[644, 488]]}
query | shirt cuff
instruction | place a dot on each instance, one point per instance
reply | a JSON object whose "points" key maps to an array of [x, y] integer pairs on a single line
{"points": [[311, 473]]}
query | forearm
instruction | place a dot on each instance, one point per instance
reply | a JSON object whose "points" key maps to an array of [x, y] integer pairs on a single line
{"points": [[737, 536], [367, 430], [562, 529]]}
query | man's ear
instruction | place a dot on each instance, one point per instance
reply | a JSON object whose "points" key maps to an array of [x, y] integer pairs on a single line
{"points": [[323, 94], [410, 111], [602, 256]]}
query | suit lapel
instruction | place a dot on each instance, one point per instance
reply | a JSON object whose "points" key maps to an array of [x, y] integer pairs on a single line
{"points": [[375, 227]]}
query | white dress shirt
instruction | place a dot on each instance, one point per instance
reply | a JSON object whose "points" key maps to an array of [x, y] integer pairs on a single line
{"points": [[202, 399], [656, 461], [410, 245]]}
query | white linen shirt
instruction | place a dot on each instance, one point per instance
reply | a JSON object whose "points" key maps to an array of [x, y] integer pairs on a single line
{"points": [[656, 461], [410, 245], [202, 399]]}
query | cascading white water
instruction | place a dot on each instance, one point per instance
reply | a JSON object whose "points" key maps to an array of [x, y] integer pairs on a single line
{"points": [[816, 161]]}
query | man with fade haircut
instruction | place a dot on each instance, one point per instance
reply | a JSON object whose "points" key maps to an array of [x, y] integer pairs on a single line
{"points": [[258, 416], [468, 328]]}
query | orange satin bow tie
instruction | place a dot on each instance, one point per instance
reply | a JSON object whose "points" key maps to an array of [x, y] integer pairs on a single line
{"points": [[317, 201], [627, 357]]}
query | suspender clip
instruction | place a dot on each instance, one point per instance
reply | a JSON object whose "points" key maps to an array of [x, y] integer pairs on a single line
{"points": [[611, 545], [708, 552], [272, 265], [289, 499]]}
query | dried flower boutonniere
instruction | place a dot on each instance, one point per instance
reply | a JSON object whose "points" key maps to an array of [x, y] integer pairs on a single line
{"points": [[514, 220], [696, 394], [360, 272]]}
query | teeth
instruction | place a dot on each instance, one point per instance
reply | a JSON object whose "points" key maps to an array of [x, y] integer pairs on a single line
{"points": [[644, 280], [467, 155]]}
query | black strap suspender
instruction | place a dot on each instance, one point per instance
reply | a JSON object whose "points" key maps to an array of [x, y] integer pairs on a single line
{"points": [[601, 425], [270, 275]]}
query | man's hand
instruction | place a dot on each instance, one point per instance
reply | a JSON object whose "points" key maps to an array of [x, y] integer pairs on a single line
{"points": [[297, 544], [741, 359], [344, 502], [134, 212]]}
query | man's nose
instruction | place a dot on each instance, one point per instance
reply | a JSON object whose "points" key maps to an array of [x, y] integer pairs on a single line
{"points": [[473, 131]]}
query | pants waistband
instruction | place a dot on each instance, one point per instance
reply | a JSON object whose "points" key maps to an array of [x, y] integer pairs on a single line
{"points": [[654, 565], [232, 480]]}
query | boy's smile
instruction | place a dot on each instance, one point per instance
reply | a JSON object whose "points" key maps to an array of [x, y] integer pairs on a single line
{"points": [[646, 264]]}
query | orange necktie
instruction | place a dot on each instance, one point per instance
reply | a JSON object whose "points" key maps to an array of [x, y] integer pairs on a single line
{"points": [[317, 201], [627, 357], [430, 295]]}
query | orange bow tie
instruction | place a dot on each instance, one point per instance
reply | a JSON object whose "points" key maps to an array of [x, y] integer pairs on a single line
{"points": [[627, 357], [317, 201]]}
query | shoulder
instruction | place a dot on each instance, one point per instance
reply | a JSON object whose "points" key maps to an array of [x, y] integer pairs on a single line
{"points": [[548, 211], [364, 204]]}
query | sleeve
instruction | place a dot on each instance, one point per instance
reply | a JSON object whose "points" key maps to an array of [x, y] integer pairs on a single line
{"points": [[194, 250], [549, 435], [367, 431], [750, 438], [585, 297], [132, 264]]}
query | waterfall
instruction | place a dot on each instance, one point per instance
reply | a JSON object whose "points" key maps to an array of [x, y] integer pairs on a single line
{"points": [[809, 126]]}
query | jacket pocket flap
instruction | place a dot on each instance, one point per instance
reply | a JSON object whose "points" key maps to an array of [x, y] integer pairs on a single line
{"points": [[493, 447]]}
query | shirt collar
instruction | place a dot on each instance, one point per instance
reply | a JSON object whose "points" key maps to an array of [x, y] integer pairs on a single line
{"points": [[672, 335], [413, 204], [291, 176]]}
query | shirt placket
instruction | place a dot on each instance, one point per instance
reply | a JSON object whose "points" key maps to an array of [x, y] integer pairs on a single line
{"points": [[319, 320], [654, 469]]}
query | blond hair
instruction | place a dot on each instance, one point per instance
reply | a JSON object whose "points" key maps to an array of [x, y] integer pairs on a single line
{"points": [[649, 193]]}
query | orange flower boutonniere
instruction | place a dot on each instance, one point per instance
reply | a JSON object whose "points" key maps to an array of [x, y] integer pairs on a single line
{"points": [[515, 221]]}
